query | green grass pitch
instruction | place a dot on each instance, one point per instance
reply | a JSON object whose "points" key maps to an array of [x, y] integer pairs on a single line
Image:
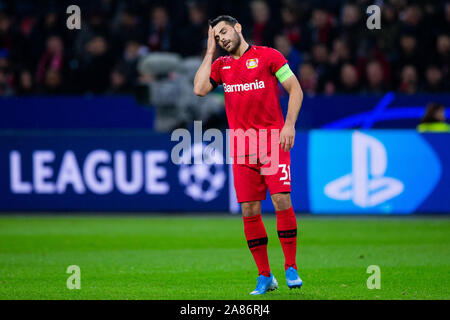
{"points": [[206, 257]]}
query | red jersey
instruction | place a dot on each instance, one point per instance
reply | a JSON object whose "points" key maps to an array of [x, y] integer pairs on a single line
{"points": [[251, 88]]}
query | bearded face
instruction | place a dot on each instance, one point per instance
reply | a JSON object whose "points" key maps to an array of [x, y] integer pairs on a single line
{"points": [[227, 37]]}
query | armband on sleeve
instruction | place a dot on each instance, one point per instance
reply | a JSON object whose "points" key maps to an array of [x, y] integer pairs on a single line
{"points": [[284, 73]]}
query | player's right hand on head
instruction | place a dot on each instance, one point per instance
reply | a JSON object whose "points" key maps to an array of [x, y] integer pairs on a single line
{"points": [[211, 41]]}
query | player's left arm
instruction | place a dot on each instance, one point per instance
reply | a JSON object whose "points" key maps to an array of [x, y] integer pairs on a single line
{"points": [[290, 83]]}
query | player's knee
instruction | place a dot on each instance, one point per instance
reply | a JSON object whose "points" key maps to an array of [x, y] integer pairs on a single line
{"points": [[251, 208], [281, 201]]}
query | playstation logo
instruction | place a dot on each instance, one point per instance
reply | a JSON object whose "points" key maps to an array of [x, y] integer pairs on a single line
{"points": [[367, 185], [376, 172]]}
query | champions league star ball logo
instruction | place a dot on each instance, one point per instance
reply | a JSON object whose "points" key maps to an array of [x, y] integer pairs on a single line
{"points": [[202, 181]]}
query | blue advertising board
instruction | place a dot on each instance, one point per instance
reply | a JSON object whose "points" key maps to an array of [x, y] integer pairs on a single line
{"points": [[332, 172], [377, 172], [82, 171]]}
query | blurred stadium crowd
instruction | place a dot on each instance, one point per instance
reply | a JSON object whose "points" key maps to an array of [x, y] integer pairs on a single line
{"points": [[326, 43]]}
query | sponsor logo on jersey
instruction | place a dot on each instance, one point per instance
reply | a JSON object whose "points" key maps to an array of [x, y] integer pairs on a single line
{"points": [[252, 63], [243, 86], [227, 67]]}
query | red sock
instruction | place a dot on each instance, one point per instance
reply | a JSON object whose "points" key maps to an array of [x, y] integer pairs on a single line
{"points": [[256, 236], [287, 233]]}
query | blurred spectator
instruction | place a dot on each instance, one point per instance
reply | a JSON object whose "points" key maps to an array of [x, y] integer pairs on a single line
{"points": [[119, 83], [159, 36], [446, 19], [340, 53], [192, 38], [320, 54], [408, 80], [339, 56], [6, 88], [442, 56], [128, 27], [308, 79], [26, 84], [320, 62], [49, 24], [321, 26], [351, 27], [95, 65], [6, 76], [94, 26], [263, 27], [52, 58], [387, 40], [293, 29], [12, 41], [133, 51], [349, 80], [291, 54], [434, 80], [434, 119], [4, 58], [53, 83], [411, 18], [375, 79], [409, 51]]}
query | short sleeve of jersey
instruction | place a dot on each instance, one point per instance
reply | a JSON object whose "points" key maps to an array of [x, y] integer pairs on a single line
{"points": [[215, 73], [276, 60]]}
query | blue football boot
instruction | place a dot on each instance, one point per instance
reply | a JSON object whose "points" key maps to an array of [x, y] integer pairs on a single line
{"points": [[265, 284], [292, 278]]}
